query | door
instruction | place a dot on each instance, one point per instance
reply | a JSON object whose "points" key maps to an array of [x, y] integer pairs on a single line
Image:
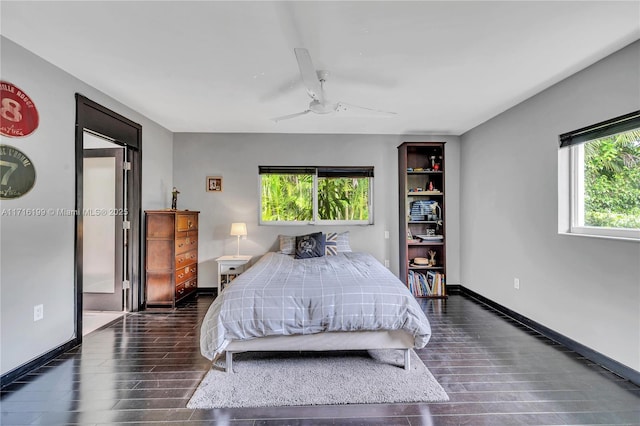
{"points": [[104, 239], [94, 119]]}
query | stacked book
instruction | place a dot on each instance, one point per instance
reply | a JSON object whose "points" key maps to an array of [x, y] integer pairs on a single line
{"points": [[426, 284]]}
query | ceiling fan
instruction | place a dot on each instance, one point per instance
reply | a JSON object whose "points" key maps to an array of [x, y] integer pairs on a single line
{"points": [[314, 83]]}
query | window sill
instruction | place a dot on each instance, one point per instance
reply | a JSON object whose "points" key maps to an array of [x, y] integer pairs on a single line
{"points": [[598, 236], [323, 223]]}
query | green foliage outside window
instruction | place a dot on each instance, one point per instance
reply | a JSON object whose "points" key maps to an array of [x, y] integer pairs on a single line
{"points": [[289, 197], [343, 198], [612, 181]]}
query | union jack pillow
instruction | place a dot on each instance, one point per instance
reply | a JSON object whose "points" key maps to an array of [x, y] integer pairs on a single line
{"points": [[336, 242]]}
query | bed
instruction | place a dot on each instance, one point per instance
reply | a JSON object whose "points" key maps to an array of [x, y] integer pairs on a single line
{"points": [[348, 301]]}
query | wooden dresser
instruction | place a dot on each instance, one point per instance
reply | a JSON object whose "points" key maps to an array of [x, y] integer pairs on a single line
{"points": [[171, 260]]}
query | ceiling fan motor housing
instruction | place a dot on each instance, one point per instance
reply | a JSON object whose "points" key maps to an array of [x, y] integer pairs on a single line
{"points": [[322, 107], [323, 75]]}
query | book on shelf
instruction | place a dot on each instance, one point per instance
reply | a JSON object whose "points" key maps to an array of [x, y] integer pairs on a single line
{"points": [[426, 284]]}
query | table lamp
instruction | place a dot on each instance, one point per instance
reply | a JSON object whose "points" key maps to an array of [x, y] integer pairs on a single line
{"points": [[238, 229]]}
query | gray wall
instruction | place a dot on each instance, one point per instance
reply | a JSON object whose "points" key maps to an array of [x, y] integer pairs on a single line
{"points": [[37, 253], [585, 288], [236, 158]]}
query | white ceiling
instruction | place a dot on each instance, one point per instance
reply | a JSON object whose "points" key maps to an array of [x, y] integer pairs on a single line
{"points": [[208, 66]]}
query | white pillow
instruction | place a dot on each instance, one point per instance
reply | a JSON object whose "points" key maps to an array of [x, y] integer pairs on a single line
{"points": [[287, 244], [343, 242]]}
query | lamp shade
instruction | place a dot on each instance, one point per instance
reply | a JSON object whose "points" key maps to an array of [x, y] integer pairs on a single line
{"points": [[238, 229]]}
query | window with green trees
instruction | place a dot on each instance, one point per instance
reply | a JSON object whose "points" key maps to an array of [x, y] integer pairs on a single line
{"points": [[330, 195], [612, 181], [605, 177]]}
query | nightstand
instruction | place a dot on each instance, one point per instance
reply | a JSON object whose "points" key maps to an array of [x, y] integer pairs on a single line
{"points": [[229, 267]]}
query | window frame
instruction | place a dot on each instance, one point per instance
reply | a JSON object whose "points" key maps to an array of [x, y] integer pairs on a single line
{"points": [[315, 220], [573, 159]]}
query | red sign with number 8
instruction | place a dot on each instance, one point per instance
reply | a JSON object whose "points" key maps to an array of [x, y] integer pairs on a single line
{"points": [[18, 114]]}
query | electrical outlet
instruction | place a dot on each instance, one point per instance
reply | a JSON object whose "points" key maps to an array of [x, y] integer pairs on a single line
{"points": [[516, 283], [386, 263], [38, 312], [386, 235]]}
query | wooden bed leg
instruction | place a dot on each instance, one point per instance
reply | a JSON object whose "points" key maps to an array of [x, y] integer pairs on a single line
{"points": [[407, 359], [229, 362]]}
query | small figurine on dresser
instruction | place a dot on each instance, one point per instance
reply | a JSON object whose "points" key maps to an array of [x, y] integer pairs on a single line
{"points": [[174, 199]]}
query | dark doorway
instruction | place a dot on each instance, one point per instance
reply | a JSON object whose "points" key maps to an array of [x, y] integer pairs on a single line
{"points": [[125, 136]]}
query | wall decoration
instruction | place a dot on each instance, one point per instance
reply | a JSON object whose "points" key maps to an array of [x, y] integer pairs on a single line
{"points": [[18, 113], [214, 183], [17, 174]]}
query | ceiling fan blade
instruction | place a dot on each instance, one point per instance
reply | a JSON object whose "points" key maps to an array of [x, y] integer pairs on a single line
{"points": [[343, 106], [308, 73], [286, 117]]}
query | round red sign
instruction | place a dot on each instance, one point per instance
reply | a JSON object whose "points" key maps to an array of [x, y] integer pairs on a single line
{"points": [[18, 113]]}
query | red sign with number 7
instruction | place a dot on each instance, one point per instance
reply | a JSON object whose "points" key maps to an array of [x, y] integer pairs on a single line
{"points": [[18, 114]]}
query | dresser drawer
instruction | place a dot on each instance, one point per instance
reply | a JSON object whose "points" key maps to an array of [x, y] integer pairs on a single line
{"points": [[191, 285], [185, 288], [186, 244], [180, 291], [160, 226], [159, 254], [186, 222], [160, 288], [186, 273], [187, 258]]}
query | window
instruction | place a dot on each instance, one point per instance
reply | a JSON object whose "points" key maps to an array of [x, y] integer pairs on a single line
{"points": [[317, 195], [604, 173]]}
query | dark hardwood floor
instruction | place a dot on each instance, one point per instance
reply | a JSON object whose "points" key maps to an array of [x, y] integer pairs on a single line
{"points": [[143, 369]]}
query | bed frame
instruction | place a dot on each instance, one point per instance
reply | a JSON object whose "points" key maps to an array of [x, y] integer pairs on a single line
{"points": [[330, 341]]}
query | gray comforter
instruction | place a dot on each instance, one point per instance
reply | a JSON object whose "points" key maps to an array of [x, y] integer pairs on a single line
{"points": [[280, 295]]}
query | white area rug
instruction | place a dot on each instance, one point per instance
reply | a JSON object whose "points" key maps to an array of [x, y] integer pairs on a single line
{"points": [[311, 378]]}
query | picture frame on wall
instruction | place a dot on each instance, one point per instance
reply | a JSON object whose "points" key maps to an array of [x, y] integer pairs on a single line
{"points": [[214, 183]]}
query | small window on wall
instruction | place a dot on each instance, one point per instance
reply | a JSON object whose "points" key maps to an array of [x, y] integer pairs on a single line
{"points": [[316, 195], [604, 178]]}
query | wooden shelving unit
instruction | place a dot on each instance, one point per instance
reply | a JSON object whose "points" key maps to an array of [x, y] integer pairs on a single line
{"points": [[421, 177]]}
